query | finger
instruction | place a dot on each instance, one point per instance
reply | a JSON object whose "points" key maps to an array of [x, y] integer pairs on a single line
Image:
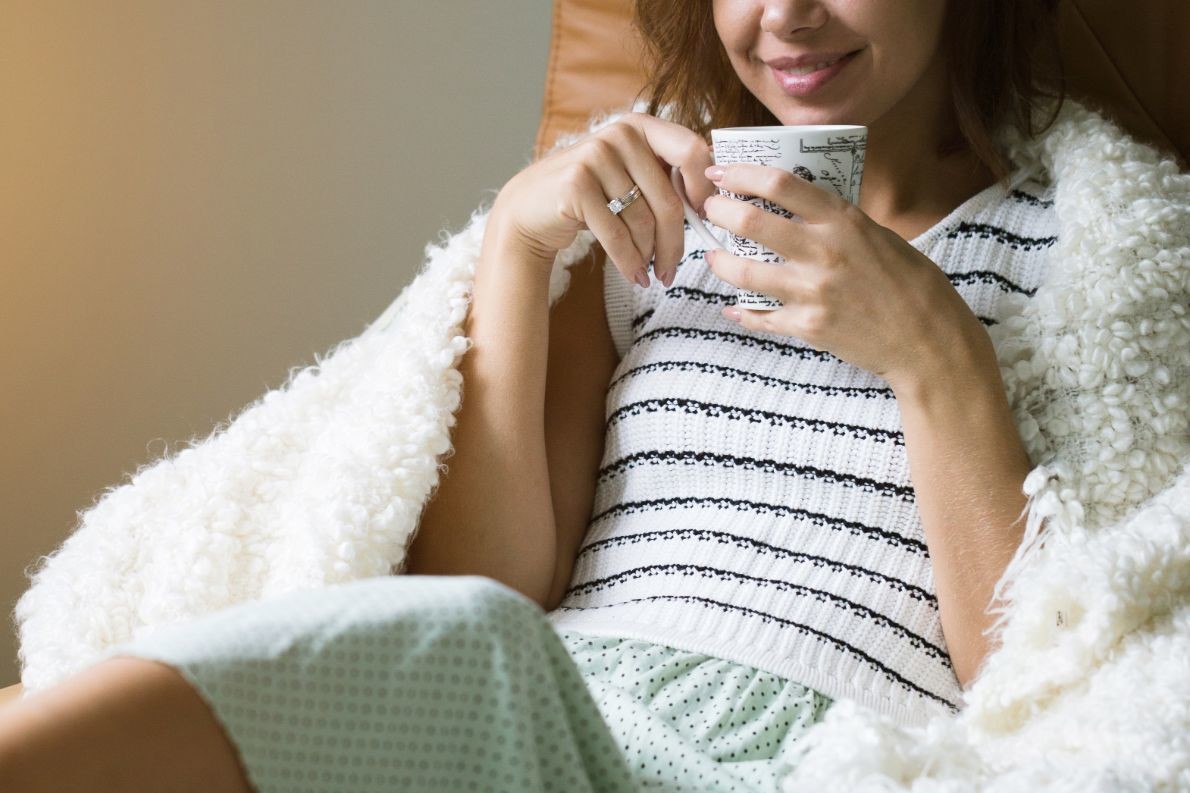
{"points": [[657, 191], [768, 278], [677, 145], [611, 231], [812, 203], [786, 237], [608, 163], [698, 187], [759, 321]]}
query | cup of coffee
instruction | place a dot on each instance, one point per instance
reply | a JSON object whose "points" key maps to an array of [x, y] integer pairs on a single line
{"points": [[830, 156]]}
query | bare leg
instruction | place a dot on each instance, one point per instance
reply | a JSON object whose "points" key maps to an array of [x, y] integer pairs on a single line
{"points": [[124, 724]]}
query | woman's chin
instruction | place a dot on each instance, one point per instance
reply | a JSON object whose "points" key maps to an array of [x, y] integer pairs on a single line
{"points": [[797, 118], [793, 112]]}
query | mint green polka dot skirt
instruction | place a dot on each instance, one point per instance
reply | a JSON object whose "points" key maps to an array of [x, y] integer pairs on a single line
{"points": [[460, 683], [686, 721]]}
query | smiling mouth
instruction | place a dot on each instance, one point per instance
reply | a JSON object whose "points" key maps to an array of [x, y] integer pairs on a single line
{"points": [[812, 78], [815, 67]]}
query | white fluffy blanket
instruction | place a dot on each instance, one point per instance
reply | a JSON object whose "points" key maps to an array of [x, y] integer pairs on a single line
{"points": [[322, 480]]}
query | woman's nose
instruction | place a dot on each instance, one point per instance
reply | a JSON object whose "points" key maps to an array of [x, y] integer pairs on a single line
{"points": [[784, 18]]}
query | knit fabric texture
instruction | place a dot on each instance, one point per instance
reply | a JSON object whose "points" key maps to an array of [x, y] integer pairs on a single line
{"points": [[754, 500]]}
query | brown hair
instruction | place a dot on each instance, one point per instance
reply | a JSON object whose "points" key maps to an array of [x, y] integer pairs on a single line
{"points": [[1003, 57]]}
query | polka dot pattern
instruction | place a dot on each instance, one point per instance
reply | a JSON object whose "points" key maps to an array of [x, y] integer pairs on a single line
{"points": [[461, 683], [686, 721]]}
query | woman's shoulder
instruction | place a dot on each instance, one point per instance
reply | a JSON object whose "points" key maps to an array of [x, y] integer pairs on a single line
{"points": [[1023, 205]]}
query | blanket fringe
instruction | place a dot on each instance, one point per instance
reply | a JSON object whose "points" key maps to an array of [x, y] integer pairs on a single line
{"points": [[1051, 512]]}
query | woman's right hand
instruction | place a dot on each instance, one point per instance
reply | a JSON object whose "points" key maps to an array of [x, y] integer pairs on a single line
{"points": [[544, 206]]}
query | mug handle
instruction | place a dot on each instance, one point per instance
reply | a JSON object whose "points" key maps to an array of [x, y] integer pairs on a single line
{"points": [[696, 223]]}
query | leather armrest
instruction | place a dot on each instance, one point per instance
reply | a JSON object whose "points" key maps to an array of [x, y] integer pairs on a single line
{"points": [[9, 694]]}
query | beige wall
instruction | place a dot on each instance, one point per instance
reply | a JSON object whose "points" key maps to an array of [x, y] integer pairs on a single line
{"points": [[197, 196]]}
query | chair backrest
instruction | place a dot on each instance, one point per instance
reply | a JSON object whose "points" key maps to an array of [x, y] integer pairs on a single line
{"points": [[1134, 64]]}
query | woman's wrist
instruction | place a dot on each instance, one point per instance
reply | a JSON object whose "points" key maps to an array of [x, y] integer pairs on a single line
{"points": [[506, 243]]}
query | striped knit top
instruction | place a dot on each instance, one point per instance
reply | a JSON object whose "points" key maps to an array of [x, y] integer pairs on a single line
{"points": [[754, 501]]}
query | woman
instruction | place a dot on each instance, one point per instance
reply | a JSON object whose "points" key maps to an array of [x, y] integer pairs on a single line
{"points": [[700, 669]]}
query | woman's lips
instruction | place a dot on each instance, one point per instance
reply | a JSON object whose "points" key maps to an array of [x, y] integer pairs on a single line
{"points": [[806, 84]]}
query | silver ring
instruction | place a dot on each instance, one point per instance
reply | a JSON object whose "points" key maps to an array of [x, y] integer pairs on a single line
{"points": [[616, 205]]}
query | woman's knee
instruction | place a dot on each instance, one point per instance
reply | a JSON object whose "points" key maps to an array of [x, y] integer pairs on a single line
{"points": [[480, 600], [432, 604], [443, 620]]}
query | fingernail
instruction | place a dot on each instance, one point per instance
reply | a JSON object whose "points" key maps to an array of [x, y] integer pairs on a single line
{"points": [[642, 278], [732, 313], [714, 172], [668, 279]]}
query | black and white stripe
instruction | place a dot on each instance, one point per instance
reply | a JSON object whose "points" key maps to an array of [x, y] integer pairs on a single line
{"points": [[754, 500]]}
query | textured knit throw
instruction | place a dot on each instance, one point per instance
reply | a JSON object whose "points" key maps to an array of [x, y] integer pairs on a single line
{"points": [[322, 480]]}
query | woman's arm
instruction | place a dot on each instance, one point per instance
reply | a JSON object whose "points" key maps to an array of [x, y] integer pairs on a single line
{"points": [[968, 467], [491, 513], [582, 358]]}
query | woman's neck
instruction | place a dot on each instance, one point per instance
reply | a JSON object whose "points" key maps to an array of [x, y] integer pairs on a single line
{"points": [[906, 185], [912, 200]]}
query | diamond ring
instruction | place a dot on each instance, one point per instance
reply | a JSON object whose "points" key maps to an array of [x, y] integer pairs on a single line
{"points": [[616, 205]]}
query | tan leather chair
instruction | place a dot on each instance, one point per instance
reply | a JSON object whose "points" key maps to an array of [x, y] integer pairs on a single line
{"points": [[1135, 65]]}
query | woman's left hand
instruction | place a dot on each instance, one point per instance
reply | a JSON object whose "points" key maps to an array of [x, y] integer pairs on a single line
{"points": [[849, 286]]}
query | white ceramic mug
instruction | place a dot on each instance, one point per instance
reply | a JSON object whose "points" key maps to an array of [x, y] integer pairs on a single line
{"points": [[828, 155]]}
